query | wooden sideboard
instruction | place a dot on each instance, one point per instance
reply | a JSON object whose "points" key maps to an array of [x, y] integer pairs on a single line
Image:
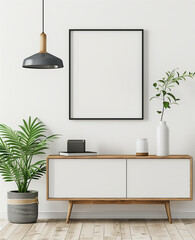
{"points": [[119, 179]]}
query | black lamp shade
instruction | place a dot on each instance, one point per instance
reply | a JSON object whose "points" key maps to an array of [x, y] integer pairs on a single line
{"points": [[42, 61]]}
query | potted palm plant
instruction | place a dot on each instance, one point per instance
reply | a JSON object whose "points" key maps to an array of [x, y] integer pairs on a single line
{"points": [[17, 149]]}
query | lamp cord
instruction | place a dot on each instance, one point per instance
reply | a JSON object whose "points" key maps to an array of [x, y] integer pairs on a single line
{"points": [[43, 15]]}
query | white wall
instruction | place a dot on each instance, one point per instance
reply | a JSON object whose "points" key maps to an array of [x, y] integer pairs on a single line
{"points": [[169, 42]]}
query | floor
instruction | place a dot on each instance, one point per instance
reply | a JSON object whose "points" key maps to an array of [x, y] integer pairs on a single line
{"points": [[99, 230]]}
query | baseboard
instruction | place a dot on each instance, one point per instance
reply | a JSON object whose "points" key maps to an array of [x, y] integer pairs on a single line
{"points": [[111, 215], [117, 215]]}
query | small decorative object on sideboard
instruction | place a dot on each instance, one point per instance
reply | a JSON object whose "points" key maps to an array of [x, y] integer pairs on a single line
{"points": [[164, 94], [162, 139], [87, 153], [142, 147], [76, 148]]}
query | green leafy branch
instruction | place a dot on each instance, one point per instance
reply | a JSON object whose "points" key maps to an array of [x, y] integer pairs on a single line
{"points": [[164, 87]]}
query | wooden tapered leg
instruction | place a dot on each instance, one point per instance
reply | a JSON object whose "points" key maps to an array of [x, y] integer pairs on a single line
{"points": [[69, 211], [168, 211]]}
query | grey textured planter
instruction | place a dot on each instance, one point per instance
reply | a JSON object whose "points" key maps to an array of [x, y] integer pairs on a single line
{"points": [[22, 207]]}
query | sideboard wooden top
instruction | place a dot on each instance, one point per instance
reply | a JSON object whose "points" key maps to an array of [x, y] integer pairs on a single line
{"points": [[120, 157]]}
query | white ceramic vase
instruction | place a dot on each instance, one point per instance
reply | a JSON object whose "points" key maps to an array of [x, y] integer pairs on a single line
{"points": [[162, 139]]}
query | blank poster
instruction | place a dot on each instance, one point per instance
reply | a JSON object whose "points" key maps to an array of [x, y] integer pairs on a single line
{"points": [[106, 74]]}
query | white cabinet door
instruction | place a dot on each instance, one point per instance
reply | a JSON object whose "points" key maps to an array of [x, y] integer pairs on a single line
{"points": [[158, 178], [87, 178]]}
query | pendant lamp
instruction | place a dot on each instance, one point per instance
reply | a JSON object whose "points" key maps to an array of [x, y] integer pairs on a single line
{"points": [[43, 59]]}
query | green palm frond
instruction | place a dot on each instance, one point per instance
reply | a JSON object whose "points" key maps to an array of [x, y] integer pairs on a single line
{"points": [[11, 172], [12, 137], [17, 149]]}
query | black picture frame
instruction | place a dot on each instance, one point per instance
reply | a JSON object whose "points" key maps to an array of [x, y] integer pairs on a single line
{"points": [[70, 75]]}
